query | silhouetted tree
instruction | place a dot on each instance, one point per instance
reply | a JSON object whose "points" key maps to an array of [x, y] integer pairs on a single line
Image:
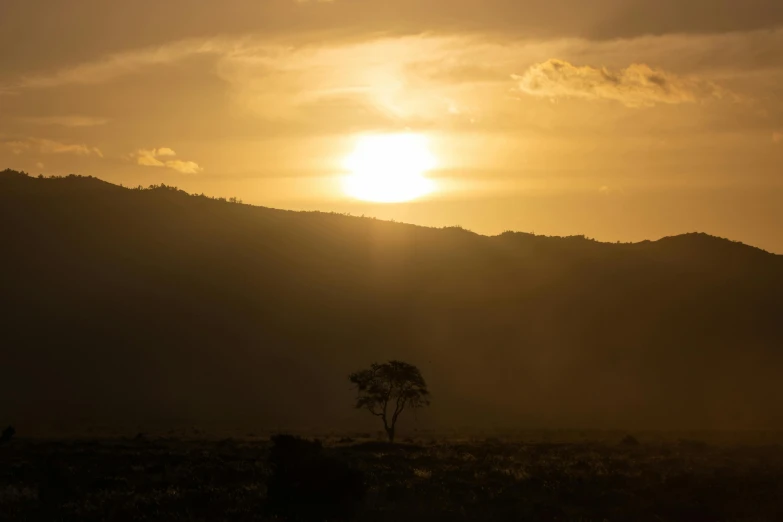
{"points": [[387, 389]]}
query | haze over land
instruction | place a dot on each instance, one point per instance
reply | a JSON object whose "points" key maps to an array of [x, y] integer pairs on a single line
{"points": [[142, 305], [623, 121]]}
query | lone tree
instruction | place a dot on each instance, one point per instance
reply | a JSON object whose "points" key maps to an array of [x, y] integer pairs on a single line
{"points": [[387, 389]]}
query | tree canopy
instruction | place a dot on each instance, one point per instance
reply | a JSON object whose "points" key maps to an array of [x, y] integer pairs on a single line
{"points": [[386, 390]]}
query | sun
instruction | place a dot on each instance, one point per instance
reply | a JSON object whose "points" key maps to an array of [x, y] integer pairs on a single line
{"points": [[389, 168]]}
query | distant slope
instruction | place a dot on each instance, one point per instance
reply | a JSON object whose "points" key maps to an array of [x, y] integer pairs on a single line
{"points": [[152, 304]]}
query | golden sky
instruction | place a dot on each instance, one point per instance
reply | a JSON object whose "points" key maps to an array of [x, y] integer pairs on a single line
{"points": [[618, 119]]}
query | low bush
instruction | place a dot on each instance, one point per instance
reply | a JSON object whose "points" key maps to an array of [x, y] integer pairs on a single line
{"points": [[308, 484]]}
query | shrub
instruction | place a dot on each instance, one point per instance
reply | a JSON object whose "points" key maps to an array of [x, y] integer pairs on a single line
{"points": [[629, 441], [7, 435], [307, 484]]}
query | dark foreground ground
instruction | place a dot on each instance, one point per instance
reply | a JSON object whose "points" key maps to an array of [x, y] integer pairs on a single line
{"points": [[174, 479]]}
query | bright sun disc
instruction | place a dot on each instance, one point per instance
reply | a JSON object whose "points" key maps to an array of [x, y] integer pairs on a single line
{"points": [[389, 168]]}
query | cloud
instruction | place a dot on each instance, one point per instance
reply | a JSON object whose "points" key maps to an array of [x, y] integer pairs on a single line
{"points": [[777, 137], [416, 80], [185, 167], [638, 85], [147, 158], [127, 24], [151, 158], [44, 146], [17, 147], [122, 64], [468, 57], [67, 121]]}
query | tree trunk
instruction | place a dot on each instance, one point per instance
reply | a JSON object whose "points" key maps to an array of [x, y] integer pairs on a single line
{"points": [[390, 434]]}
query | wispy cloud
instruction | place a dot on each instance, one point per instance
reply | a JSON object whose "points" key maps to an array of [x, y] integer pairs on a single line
{"points": [[45, 146], [638, 85], [426, 79], [151, 158], [122, 64], [67, 121]]}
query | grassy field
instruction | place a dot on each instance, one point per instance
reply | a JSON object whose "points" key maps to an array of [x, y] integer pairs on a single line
{"points": [[491, 479]]}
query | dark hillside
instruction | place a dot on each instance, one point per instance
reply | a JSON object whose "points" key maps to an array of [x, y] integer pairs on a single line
{"points": [[153, 304]]}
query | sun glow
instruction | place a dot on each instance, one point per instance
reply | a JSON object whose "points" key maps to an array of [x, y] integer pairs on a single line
{"points": [[389, 168]]}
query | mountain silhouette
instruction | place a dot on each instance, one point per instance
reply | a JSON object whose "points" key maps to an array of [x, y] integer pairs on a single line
{"points": [[154, 305]]}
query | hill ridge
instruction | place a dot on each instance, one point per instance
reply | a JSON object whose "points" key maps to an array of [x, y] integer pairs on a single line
{"points": [[12, 175], [154, 305]]}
